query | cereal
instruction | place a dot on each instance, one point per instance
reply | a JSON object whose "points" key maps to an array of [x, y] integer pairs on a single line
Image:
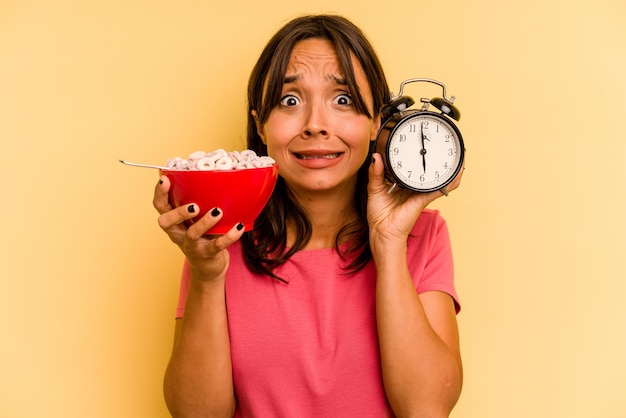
{"points": [[224, 163], [220, 160], [205, 163]]}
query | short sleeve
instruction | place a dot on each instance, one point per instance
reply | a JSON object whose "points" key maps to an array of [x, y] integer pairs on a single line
{"points": [[430, 256]]}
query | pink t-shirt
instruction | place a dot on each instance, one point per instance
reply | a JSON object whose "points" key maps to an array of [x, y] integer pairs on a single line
{"points": [[309, 348]]}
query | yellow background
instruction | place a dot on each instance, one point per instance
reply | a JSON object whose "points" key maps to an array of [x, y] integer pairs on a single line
{"points": [[89, 282]]}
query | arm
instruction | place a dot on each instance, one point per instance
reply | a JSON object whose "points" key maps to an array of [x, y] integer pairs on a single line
{"points": [[198, 380], [419, 343], [418, 335]]}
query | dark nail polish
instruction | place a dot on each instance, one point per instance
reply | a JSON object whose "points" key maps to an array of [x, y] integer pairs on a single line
{"points": [[191, 208], [239, 226], [373, 160], [215, 212], [160, 181]]}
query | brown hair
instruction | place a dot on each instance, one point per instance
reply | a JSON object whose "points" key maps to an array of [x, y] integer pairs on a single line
{"points": [[265, 247]]}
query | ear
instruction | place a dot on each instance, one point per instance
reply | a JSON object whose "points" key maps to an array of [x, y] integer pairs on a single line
{"points": [[259, 126], [375, 127]]}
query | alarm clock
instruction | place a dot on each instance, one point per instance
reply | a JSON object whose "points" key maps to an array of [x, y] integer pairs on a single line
{"points": [[422, 149]]}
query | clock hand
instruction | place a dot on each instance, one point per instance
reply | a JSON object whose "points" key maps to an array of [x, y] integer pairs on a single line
{"points": [[423, 151]]}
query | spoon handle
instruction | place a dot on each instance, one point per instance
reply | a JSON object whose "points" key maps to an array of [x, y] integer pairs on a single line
{"points": [[144, 165]]}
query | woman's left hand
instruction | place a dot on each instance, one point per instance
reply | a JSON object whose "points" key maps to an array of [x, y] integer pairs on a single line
{"points": [[391, 216]]}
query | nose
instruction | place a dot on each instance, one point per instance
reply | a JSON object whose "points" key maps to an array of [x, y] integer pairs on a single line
{"points": [[316, 123]]}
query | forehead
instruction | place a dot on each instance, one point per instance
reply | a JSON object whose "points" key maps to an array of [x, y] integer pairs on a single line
{"points": [[316, 59], [313, 51], [318, 54]]}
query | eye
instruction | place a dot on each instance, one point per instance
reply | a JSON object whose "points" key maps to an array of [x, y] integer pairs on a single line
{"points": [[289, 101], [344, 100]]}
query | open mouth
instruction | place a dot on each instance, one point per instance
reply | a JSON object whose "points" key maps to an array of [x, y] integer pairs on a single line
{"points": [[317, 157]]}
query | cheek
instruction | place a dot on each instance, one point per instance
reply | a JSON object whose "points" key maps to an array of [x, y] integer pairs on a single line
{"points": [[362, 134], [277, 136], [277, 128]]}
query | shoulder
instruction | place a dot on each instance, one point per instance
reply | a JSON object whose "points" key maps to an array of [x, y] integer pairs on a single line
{"points": [[429, 240], [429, 222], [430, 255]]}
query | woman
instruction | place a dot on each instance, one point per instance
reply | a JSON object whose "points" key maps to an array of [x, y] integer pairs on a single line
{"points": [[341, 301]]}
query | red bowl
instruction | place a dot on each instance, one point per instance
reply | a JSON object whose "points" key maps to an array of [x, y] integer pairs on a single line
{"points": [[240, 194]]}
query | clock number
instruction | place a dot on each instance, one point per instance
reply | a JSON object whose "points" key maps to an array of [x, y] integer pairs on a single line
{"points": [[445, 165], [436, 175], [447, 137], [399, 165], [450, 152], [425, 124], [412, 128], [422, 178], [402, 138], [396, 151]]}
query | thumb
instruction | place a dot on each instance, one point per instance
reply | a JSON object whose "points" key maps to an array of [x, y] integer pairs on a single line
{"points": [[376, 174]]}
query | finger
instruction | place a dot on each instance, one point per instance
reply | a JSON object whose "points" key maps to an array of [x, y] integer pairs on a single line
{"points": [[209, 246], [376, 174], [177, 216], [226, 240], [457, 180], [161, 200], [445, 191], [203, 224]]}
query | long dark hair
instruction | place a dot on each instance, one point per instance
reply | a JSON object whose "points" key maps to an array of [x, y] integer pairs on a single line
{"points": [[265, 248]]}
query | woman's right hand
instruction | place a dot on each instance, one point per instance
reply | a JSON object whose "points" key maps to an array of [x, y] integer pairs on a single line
{"points": [[208, 256]]}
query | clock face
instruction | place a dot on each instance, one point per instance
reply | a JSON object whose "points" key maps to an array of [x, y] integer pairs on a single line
{"points": [[424, 152]]}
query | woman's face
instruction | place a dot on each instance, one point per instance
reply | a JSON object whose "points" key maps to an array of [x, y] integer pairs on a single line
{"points": [[315, 133]]}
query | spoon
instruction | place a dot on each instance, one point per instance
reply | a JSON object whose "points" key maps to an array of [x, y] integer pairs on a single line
{"points": [[145, 165]]}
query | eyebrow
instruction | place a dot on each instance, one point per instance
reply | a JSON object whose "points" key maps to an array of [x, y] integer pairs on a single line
{"points": [[291, 79], [337, 79]]}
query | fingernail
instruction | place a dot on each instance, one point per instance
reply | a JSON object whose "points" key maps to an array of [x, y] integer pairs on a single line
{"points": [[160, 181], [239, 226], [373, 159], [215, 212], [191, 208]]}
